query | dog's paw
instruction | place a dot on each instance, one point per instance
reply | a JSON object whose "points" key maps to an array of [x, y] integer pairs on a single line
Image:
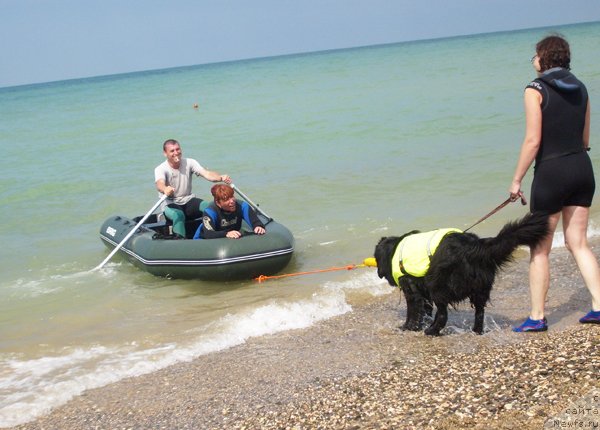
{"points": [[432, 331], [411, 327], [478, 328]]}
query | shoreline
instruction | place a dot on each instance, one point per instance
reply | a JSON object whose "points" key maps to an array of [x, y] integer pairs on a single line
{"points": [[358, 370]]}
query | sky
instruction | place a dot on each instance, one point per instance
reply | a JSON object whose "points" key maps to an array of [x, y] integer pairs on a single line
{"points": [[50, 40]]}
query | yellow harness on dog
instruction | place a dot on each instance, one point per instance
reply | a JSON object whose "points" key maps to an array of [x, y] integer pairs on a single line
{"points": [[414, 252]]}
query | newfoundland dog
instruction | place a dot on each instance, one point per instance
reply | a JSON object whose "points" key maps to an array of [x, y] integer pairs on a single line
{"points": [[445, 267]]}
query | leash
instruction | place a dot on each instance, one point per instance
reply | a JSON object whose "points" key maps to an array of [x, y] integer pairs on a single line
{"points": [[500, 206]]}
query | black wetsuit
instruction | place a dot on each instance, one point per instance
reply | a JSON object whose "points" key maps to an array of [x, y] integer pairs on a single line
{"points": [[217, 222], [563, 170]]}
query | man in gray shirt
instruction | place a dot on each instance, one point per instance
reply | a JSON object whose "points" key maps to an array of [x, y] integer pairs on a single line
{"points": [[173, 177]]}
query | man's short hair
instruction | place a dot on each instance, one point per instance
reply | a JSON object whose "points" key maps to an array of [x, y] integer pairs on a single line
{"points": [[169, 142]]}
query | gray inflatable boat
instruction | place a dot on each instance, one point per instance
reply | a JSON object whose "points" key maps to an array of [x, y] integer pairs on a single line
{"points": [[154, 250]]}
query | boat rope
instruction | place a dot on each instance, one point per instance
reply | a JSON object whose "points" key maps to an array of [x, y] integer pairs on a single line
{"points": [[368, 262]]}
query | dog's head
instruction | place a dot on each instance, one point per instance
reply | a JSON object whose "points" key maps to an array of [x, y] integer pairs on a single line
{"points": [[384, 251]]}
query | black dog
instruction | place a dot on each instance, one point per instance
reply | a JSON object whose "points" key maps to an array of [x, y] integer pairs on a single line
{"points": [[463, 266]]}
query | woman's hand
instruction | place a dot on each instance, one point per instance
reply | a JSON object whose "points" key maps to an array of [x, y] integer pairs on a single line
{"points": [[233, 234], [515, 191], [259, 230]]}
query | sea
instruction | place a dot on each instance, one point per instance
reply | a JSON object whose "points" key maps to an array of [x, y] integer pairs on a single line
{"points": [[342, 147]]}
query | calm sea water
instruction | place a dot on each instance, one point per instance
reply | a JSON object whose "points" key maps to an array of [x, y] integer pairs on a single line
{"points": [[342, 147]]}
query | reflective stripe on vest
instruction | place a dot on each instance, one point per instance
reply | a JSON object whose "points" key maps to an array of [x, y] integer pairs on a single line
{"points": [[413, 253]]}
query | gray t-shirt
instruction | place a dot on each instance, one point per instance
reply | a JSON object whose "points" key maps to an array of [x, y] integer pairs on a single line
{"points": [[180, 179]]}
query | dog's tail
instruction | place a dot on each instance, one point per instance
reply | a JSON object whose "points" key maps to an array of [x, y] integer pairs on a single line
{"points": [[529, 230]]}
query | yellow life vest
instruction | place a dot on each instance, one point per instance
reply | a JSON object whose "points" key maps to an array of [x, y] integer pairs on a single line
{"points": [[413, 253]]}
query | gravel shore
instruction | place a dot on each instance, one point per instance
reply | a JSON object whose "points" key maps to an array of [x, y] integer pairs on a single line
{"points": [[359, 371], [520, 386]]}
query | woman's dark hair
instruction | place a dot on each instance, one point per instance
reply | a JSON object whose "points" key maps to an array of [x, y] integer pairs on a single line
{"points": [[553, 51]]}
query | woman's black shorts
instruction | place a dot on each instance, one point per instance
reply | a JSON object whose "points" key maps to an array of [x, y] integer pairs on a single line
{"points": [[563, 181]]}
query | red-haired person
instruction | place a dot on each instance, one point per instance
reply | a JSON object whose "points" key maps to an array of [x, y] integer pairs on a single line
{"points": [[223, 218]]}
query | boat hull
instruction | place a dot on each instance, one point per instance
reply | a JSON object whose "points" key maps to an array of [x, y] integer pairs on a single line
{"points": [[206, 259]]}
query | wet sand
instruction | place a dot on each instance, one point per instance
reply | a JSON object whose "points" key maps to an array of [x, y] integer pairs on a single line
{"points": [[359, 371]]}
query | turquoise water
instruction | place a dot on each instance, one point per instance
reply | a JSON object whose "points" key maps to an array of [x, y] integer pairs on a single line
{"points": [[342, 147]]}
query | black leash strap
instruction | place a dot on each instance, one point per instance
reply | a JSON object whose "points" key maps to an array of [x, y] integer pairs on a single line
{"points": [[500, 206]]}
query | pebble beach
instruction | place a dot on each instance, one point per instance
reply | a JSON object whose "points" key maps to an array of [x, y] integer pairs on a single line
{"points": [[360, 371]]}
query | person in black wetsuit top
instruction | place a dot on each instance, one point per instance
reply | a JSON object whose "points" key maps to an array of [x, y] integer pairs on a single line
{"points": [[224, 217], [557, 112]]}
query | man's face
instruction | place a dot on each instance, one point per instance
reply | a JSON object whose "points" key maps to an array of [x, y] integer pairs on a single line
{"points": [[173, 153]]}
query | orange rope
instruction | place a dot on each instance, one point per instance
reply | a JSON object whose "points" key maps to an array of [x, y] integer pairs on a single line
{"points": [[262, 278]]}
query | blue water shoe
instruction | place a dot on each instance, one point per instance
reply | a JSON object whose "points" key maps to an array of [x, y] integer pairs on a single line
{"points": [[532, 325], [592, 317]]}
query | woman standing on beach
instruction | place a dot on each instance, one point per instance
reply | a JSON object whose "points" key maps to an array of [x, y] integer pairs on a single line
{"points": [[557, 113]]}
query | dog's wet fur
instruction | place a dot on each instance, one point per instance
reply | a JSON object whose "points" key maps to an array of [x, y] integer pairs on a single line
{"points": [[464, 266]]}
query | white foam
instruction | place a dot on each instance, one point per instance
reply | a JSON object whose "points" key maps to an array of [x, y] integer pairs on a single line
{"points": [[559, 237], [593, 230], [367, 282], [30, 388], [331, 242], [558, 241], [465, 326], [30, 288], [52, 284]]}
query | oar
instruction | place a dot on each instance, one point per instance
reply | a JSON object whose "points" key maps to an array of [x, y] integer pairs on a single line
{"points": [[114, 251], [245, 197]]}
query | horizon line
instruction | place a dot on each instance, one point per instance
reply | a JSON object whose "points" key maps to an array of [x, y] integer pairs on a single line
{"points": [[291, 54]]}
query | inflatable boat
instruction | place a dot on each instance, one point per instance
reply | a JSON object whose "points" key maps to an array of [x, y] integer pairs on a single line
{"points": [[153, 249]]}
